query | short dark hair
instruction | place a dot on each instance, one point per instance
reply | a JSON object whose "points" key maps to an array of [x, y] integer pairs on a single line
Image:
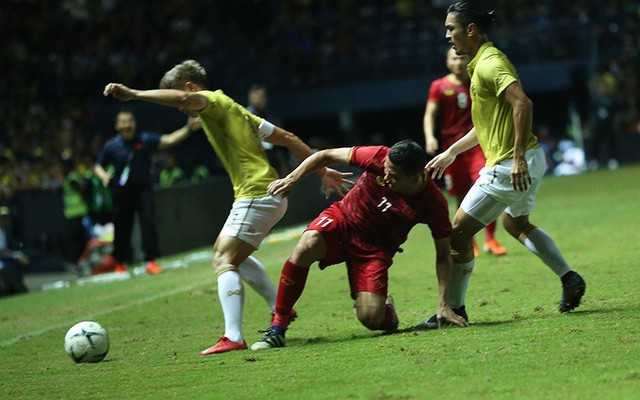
{"points": [[472, 12], [409, 156], [186, 71]]}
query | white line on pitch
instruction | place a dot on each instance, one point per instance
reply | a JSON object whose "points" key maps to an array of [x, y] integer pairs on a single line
{"points": [[89, 317]]}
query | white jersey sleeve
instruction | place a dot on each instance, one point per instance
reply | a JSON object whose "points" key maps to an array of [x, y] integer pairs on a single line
{"points": [[265, 129]]}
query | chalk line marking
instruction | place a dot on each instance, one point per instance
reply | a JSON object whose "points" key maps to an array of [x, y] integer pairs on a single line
{"points": [[89, 317]]}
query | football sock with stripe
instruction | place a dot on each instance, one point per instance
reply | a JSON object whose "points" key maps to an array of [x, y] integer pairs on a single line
{"points": [[292, 281], [231, 295]]}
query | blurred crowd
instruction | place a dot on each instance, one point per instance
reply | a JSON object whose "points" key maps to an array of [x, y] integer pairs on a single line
{"points": [[58, 56]]}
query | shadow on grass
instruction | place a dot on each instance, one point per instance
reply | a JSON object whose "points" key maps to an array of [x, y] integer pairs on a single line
{"points": [[517, 318], [352, 337]]}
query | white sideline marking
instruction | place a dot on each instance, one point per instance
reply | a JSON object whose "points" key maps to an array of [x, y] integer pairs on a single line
{"points": [[293, 232], [89, 317], [285, 234]]}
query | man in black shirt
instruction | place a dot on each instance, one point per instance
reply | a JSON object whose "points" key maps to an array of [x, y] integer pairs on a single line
{"points": [[129, 155]]}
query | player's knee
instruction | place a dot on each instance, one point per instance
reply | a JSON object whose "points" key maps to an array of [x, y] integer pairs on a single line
{"points": [[371, 318], [370, 314], [218, 260], [460, 244], [222, 264], [221, 269]]}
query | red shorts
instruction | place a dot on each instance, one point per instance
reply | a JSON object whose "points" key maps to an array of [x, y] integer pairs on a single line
{"points": [[465, 170], [367, 264]]}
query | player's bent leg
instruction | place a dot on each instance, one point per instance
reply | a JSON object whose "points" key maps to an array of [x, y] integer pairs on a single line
{"points": [[229, 253], [543, 246], [231, 250], [310, 248], [464, 228], [371, 310]]}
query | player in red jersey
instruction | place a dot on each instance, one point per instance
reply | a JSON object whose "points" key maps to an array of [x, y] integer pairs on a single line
{"points": [[449, 99], [365, 229]]}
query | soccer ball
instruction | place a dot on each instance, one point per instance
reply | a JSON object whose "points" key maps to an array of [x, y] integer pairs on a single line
{"points": [[86, 341]]}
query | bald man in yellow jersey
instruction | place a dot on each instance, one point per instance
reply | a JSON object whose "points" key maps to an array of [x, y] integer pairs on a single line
{"points": [[502, 117], [235, 134]]}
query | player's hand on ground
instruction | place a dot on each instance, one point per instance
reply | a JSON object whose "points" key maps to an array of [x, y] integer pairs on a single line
{"points": [[439, 163], [337, 181], [281, 187], [446, 314], [520, 178], [118, 91]]}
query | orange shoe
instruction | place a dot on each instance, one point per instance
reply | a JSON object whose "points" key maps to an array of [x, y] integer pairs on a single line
{"points": [[224, 344], [153, 268], [120, 269], [493, 246], [476, 251]]}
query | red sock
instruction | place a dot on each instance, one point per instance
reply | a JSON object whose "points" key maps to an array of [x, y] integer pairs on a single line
{"points": [[490, 230], [292, 280]]}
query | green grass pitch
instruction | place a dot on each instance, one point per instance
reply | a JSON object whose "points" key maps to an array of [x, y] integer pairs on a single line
{"points": [[518, 346]]}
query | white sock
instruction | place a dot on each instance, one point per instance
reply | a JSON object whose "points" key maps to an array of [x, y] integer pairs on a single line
{"points": [[252, 271], [231, 294], [543, 246], [460, 275]]}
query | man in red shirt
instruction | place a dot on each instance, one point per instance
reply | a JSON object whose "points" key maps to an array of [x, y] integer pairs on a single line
{"points": [[365, 230], [449, 99]]}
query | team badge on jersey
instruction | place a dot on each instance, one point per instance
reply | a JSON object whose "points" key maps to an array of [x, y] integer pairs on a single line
{"points": [[463, 100]]}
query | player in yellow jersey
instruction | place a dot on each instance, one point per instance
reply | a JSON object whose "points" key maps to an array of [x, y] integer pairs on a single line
{"points": [[235, 135], [502, 118]]}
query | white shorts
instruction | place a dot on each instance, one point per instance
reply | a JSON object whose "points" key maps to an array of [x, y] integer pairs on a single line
{"points": [[493, 192], [251, 219]]}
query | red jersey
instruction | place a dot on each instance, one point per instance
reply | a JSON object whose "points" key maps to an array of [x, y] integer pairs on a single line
{"points": [[382, 217], [455, 109]]}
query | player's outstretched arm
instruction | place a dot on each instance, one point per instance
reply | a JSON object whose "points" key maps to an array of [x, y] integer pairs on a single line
{"points": [[439, 163], [331, 179], [314, 163], [186, 101], [444, 265]]}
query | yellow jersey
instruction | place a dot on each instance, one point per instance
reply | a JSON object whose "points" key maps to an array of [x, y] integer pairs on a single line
{"points": [[234, 135], [491, 73]]}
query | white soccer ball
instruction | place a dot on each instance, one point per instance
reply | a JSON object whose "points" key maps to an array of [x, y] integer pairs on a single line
{"points": [[86, 341]]}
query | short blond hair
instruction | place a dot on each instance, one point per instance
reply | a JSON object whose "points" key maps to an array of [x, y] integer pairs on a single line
{"points": [[186, 71]]}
